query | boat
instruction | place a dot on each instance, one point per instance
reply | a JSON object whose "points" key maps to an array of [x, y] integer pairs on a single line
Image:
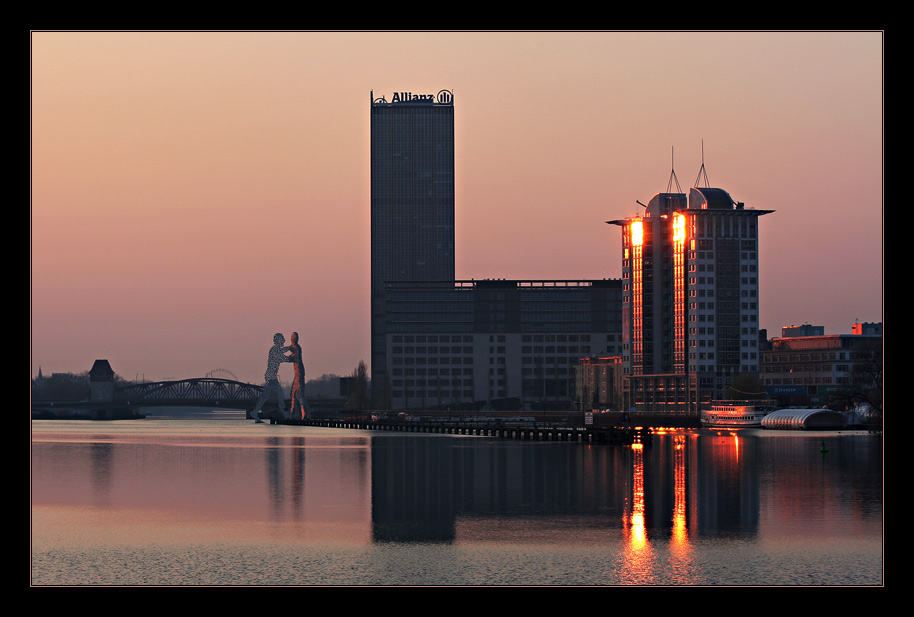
{"points": [[736, 414]]}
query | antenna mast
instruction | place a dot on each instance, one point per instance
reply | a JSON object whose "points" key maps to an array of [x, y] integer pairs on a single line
{"points": [[701, 172], [673, 177]]}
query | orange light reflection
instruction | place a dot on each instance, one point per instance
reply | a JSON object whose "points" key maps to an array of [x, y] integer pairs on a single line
{"points": [[678, 228], [679, 491], [680, 550], [636, 518], [637, 233], [638, 559]]}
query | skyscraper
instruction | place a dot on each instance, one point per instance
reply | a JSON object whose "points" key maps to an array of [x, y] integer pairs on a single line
{"points": [[412, 202], [690, 299]]}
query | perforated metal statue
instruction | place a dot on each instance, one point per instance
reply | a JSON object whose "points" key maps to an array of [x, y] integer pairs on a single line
{"points": [[275, 357], [299, 408]]}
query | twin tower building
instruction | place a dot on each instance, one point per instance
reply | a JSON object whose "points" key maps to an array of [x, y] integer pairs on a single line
{"points": [[673, 332]]}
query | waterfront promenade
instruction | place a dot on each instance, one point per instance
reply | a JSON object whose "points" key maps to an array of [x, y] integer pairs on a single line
{"points": [[525, 428]]}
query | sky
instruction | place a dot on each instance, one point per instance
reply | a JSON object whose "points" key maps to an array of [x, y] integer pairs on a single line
{"points": [[194, 192]]}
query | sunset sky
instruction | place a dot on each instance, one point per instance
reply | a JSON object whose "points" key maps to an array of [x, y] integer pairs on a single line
{"points": [[195, 192]]}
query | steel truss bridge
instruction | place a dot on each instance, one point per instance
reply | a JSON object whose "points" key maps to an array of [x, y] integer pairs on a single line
{"points": [[201, 391]]}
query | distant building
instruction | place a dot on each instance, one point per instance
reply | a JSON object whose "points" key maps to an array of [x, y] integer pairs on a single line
{"points": [[867, 328], [690, 299], [804, 370], [763, 342], [495, 344], [804, 330], [598, 382]]}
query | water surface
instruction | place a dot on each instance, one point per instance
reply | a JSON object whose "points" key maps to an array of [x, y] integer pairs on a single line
{"points": [[213, 499]]}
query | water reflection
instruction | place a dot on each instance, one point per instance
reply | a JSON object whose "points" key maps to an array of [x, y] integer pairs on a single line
{"points": [[647, 512], [100, 457], [417, 487], [637, 560], [680, 546]]}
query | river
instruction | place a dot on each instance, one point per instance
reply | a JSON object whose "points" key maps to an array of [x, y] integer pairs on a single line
{"points": [[210, 499]]}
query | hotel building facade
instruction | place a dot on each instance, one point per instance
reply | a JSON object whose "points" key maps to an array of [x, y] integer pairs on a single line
{"points": [[690, 299]]}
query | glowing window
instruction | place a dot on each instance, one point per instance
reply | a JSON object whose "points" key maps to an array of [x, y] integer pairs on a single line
{"points": [[678, 228], [637, 233]]}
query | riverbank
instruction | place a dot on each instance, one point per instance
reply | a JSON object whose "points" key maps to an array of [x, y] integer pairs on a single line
{"points": [[84, 411]]}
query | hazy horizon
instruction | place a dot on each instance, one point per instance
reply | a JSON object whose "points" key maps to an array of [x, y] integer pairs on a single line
{"points": [[194, 192]]}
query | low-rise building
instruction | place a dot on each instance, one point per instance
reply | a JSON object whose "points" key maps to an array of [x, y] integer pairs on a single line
{"points": [[805, 370], [598, 382]]}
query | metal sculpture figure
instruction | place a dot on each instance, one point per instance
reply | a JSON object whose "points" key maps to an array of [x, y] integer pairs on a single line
{"points": [[275, 357], [299, 403]]}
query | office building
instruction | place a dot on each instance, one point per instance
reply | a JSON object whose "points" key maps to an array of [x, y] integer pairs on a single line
{"points": [[815, 369], [690, 299], [412, 200], [495, 344]]}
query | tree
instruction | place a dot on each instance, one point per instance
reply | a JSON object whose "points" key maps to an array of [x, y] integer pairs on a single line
{"points": [[325, 386], [866, 381], [358, 394], [61, 387], [745, 386]]}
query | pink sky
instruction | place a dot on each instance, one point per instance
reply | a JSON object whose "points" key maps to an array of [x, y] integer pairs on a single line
{"points": [[195, 192]]}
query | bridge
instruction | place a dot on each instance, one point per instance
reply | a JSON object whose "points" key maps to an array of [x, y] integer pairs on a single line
{"points": [[125, 401], [201, 391]]}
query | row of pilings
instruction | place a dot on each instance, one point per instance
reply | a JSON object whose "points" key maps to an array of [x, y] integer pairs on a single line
{"points": [[614, 436]]}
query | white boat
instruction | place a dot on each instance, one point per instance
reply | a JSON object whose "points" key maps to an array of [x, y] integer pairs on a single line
{"points": [[736, 414]]}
